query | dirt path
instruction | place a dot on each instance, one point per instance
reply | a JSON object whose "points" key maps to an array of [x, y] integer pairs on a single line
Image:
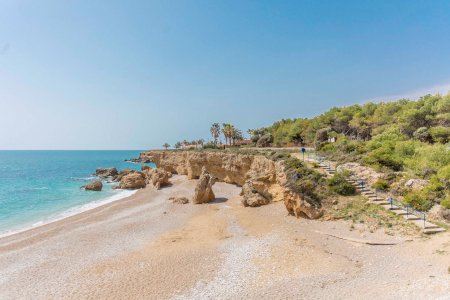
{"points": [[147, 247]]}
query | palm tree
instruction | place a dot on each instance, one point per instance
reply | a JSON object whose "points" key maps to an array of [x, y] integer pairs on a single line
{"points": [[215, 132], [228, 130], [237, 135], [166, 146]]}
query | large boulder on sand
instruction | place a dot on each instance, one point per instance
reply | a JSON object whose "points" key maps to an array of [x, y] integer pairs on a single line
{"points": [[203, 190], [157, 177], [132, 181], [106, 172], [94, 186], [251, 197]]}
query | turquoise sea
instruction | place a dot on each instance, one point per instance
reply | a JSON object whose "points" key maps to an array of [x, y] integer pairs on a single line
{"points": [[38, 187]]}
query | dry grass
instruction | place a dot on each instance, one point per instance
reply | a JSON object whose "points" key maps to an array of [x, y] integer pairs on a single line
{"points": [[358, 210]]}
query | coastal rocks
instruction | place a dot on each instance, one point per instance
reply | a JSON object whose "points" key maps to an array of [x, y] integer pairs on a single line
{"points": [[133, 180], [268, 177], [251, 197], [158, 178], [122, 174], [203, 190], [94, 186], [297, 206], [106, 172], [179, 200]]}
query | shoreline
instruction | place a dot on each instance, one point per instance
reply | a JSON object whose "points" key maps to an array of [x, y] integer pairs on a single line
{"points": [[73, 211], [145, 246]]}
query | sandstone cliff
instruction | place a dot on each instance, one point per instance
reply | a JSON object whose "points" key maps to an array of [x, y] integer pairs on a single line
{"points": [[267, 177]]}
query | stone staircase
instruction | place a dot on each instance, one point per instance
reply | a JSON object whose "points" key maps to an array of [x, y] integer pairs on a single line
{"points": [[417, 218]]}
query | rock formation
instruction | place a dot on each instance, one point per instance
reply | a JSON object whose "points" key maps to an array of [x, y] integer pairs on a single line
{"points": [[268, 177], [251, 197], [123, 173], [416, 184], [133, 180], [94, 186], [158, 178], [203, 190], [106, 172], [366, 173], [179, 200]]}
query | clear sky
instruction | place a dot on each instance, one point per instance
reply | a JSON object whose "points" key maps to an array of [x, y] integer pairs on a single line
{"points": [[135, 74]]}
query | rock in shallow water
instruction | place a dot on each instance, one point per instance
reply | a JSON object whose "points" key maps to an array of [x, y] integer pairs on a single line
{"points": [[94, 186], [106, 172]]}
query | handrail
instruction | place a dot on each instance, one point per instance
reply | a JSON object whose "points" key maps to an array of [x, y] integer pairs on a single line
{"points": [[409, 209]]}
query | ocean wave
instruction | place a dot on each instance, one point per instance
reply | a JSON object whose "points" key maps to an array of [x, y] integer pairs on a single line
{"points": [[89, 178], [30, 189]]}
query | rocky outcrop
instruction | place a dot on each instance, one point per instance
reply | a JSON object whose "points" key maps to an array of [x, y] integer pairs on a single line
{"points": [[106, 172], [366, 173], [94, 186], [203, 190], [416, 184], [268, 177], [179, 200], [158, 178], [251, 197], [123, 173], [132, 180]]}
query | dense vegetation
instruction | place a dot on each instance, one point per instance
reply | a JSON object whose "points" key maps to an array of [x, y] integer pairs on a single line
{"points": [[402, 138]]}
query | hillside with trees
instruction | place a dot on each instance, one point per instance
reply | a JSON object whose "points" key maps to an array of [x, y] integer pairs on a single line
{"points": [[402, 138]]}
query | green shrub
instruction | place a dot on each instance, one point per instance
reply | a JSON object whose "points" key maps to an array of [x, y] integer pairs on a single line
{"points": [[339, 184], [440, 134], [418, 200], [381, 185], [305, 181], [446, 202], [210, 145]]}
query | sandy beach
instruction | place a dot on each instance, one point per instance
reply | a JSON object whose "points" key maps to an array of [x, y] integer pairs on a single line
{"points": [[145, 246]]}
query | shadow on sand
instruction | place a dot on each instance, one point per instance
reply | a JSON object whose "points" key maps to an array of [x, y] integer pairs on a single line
{"points": [[219, 200]]}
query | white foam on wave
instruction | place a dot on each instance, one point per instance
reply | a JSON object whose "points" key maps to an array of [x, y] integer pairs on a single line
{"points": [[84, 178], [71, 212]]}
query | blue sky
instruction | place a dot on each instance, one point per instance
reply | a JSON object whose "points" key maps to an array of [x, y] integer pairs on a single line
{"points": [[135, 74]]}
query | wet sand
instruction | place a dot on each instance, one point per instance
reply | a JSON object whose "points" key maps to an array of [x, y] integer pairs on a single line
{"points": [[144, 246]]}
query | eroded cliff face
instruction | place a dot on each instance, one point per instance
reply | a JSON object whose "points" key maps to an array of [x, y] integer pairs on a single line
{"points": [[267, 177]]}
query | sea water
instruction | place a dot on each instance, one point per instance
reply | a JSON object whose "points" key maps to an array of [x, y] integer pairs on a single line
{"points": [[38, 187]]}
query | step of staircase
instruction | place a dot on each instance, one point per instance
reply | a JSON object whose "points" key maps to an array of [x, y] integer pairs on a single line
{"points": [[411, 217], [427, 227], [433, 230], [373, 196], [381, 202], [368, 193]]}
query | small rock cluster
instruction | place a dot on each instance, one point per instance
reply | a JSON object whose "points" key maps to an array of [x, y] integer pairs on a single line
{"points": [[179, 200], [130, 179]]}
